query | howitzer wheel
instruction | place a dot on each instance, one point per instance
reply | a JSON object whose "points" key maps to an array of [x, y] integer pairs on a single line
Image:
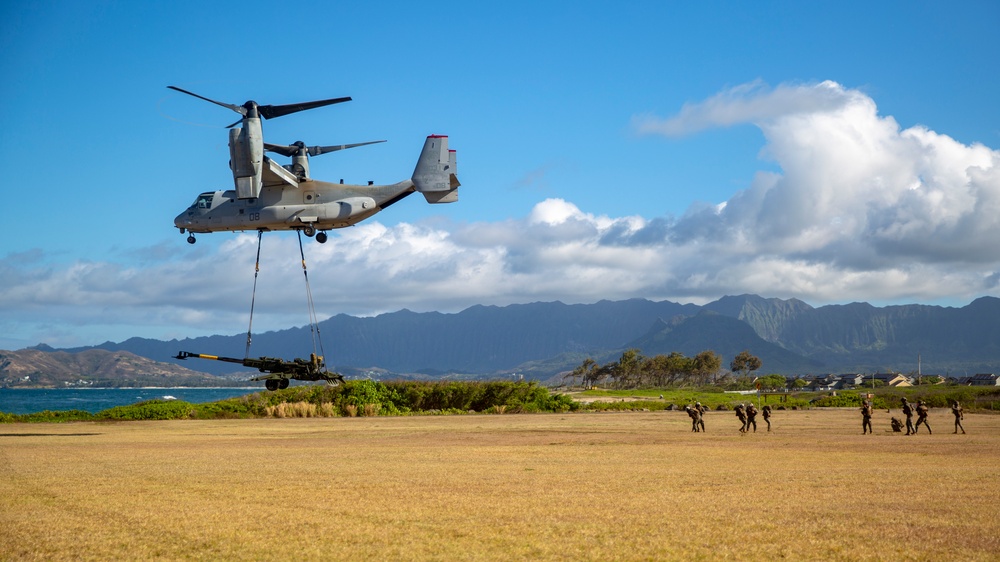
{"points": [[283, 384], [272, 384]]}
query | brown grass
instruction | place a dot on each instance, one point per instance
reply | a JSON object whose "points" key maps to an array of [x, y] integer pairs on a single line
{"points": [[635, 486]]}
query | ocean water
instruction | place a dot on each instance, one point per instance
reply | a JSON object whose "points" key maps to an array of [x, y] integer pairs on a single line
{"points": [[93, 400]]}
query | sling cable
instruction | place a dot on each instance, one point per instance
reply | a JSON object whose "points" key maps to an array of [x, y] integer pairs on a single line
{"points": [[278, 372]]}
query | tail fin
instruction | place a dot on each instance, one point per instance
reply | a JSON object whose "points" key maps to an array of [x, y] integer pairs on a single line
{"points": [[436, 174]]}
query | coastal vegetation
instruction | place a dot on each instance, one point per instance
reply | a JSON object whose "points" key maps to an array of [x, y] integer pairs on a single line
{"points": [[353, 398], [367, 398]]}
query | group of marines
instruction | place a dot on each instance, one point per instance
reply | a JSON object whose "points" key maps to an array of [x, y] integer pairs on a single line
{"points": [[747, 414], [908, 411]]}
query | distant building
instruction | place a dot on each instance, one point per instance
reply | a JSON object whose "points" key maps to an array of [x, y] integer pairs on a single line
{"points": [[891, 379], [850, 380], [821, 382], [984, 379]]}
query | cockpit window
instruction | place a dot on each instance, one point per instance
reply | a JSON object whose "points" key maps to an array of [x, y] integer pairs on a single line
{"points": [[204, 201]]}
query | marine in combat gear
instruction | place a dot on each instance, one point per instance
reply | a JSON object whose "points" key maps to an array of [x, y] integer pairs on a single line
{"points": [[922, 417], [866, 417], [766, 412], [956, 409], [751, 417], [695, 415], [741, 414], [908, 412]]}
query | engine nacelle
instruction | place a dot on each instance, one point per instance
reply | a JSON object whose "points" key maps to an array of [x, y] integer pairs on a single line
{"points": [[246, 156]]}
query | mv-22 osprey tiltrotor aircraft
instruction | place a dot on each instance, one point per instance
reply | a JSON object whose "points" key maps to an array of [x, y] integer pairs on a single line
{"points": [[268, 196]]}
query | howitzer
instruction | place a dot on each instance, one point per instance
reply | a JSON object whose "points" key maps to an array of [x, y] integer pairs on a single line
{"points": [[278, 370]]}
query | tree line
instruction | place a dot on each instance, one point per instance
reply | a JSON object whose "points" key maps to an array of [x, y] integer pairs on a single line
{"points": [[634, 370]]}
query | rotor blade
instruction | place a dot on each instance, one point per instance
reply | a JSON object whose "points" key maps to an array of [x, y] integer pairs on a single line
{"points": [[269, 111], [237, 108], [317, 150], [282, 149]]}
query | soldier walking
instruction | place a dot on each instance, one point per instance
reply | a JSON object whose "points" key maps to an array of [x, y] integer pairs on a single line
{"points": [[908, 412], [751, 417], [956, 409], [740, 413], [866, 417], [694, 415], [701, 414], [766, 411], [922, 417]]}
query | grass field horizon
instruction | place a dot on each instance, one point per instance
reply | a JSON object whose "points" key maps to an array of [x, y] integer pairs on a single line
{"points": [[591, 486]]}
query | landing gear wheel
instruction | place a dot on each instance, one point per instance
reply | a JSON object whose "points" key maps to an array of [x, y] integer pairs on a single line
{"points": [[309, 231], [283, 384], [321, 237], [271, 384], [191, 239]]}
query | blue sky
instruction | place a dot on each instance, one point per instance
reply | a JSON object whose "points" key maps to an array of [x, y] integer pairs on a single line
{"points": [[832, 152]]}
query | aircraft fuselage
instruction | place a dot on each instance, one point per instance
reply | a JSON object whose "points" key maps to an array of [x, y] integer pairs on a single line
{"points": [[312, 205]]}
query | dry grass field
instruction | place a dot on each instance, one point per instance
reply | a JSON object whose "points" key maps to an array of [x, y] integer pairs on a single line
{"points": [[584, 486]]}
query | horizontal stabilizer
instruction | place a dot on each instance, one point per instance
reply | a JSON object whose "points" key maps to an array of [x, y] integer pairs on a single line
{"points": [[441, 196]]}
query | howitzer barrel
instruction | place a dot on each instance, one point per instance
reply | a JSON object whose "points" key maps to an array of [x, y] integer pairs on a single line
{"points": [[186, 354], [298, 367]]}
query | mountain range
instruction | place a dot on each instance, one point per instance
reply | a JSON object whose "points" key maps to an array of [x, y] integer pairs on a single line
{"points": [[43, 366], [540, 340]]}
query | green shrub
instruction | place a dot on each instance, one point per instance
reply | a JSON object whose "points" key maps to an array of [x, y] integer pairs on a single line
{"points": [[149, 410], [48, 416], [232, 408], [848, 399]]}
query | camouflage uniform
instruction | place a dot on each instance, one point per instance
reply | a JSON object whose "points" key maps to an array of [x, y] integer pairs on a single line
{"points": [[766, 411], [922, 417], [908, 411], [866, 417], [752, 417], [701, 414], [956, 409], [897, 426], [694, 415], [743, 418]]}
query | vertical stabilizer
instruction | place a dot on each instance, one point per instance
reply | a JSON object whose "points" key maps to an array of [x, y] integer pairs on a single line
{"points": [[435, 174]]}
